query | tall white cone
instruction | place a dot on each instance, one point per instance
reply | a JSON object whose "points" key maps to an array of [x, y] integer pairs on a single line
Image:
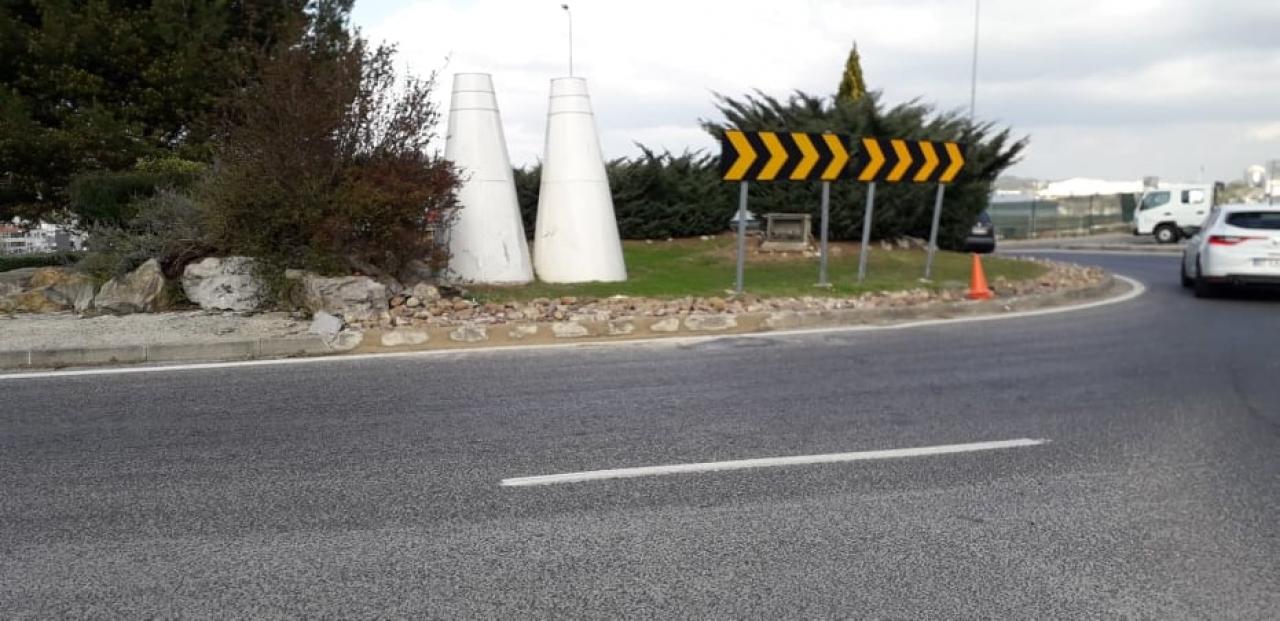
{"points": [[576, 238], [486, 240]]}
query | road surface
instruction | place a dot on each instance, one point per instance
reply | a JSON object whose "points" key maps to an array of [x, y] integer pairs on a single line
{"points": [[367, 488]]}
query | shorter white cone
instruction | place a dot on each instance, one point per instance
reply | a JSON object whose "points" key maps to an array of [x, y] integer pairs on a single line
{"points": [[576, 238], [486, 239]]}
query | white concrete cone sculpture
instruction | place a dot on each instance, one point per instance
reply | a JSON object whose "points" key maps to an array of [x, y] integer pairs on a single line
{"points": [[576, 238], [486, 240]]}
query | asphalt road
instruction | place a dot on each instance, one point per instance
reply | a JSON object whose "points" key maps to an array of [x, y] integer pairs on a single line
{"points": [[371, 488]]}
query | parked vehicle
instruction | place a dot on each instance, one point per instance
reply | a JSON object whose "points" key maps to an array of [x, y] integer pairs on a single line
{"points": [[982, 237], [1172, 212], [1238, 245]]}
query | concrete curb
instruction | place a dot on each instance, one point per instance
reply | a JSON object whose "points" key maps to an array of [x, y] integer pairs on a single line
{"points": [[479, 336], [216, 351]]}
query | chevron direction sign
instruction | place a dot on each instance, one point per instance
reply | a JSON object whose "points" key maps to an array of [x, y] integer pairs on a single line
{"points": [[783, 156], [917, 161]]}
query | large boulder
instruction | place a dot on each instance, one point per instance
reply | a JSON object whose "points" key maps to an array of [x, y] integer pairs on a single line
{"points": [[354, 298], [136, 292], [47, 290], [29, 302], [19, 278], [64, 287], [224, 284]]}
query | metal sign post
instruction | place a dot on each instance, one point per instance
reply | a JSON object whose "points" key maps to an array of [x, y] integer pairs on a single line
{"points": [[866, 231], [933, 232], [897, 160], [822, 244], [781, 156], [742, 235]]}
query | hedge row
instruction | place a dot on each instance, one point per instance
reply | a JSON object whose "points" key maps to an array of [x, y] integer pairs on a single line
{"points": [[658, 196], [655, 196], [51, 259]]}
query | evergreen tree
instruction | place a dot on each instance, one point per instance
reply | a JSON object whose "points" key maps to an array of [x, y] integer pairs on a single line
{"points": [[902, 209], [852, 87], [95, 85]]}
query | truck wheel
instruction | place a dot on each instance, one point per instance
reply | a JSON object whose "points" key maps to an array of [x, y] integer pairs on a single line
{"points": [[1166, 234]]}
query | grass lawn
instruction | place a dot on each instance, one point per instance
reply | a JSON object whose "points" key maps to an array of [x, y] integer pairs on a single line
{"points": [[693, 267]]}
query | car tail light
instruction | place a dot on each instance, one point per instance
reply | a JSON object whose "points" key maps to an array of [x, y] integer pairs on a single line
{"points": [[1229, 240]]}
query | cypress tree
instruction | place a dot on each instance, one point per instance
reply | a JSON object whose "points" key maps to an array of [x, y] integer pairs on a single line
{"points": [[852, 87]]}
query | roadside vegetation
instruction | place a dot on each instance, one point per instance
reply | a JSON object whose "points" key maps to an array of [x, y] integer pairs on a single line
{"points": [[44, 259], [273, 130], [297, 143]]}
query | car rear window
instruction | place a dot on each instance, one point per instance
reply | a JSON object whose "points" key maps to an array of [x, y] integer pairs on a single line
{"points": [[1255, 220]]}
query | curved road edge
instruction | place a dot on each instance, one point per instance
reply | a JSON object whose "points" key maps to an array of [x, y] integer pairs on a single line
{"points": [[1117, 290]]}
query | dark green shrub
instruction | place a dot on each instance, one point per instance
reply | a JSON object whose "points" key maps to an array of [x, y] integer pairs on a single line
{"points": [[902, 209], [167, 227], [655, 196], [659, 196], [109, 198], [52, 259], [528, 184]]}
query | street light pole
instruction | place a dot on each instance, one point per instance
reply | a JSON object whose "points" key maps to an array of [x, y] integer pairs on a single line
{"points": [[569, 14], [973, 79]]}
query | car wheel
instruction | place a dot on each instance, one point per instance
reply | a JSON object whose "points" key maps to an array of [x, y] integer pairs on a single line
{"points": [[1166, 234], [1187, 282], [1204, 288]]}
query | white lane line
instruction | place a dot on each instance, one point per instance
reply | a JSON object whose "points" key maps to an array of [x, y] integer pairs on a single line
{"points": [[1136, 289], [767, 462]]}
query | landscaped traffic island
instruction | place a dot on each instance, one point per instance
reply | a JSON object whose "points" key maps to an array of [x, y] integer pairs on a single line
{"points": [[675, 287]]}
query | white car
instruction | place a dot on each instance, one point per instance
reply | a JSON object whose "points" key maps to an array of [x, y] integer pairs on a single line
{"points": [[1236, 245]]}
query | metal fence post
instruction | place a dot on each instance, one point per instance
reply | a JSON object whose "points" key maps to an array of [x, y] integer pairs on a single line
{"points": [[1031, 233], [1088, 229]]}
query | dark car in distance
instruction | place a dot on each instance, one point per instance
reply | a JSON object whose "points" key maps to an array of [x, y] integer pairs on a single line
{"points": [[982, 237]]}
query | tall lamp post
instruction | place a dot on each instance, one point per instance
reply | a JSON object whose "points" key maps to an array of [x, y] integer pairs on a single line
{"points": [[569, 14], [937, 201], [973, 76]]}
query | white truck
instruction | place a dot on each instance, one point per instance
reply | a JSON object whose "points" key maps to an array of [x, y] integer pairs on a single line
{"points": [[1173, 211]]}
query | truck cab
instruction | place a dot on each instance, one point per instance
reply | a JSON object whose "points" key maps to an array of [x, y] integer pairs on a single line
{"points": [[1172, 212]]}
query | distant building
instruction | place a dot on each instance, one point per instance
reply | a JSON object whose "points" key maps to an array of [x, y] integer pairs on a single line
{"points": [[16, 238], [1255, 176], [1084, 186], [1273, 178]]}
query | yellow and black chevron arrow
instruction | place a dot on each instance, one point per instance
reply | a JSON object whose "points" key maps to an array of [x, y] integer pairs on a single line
{"points": [[918, 161], [779, 156]]}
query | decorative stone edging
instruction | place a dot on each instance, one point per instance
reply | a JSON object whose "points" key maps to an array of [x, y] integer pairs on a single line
{"points": [[686, 324]]}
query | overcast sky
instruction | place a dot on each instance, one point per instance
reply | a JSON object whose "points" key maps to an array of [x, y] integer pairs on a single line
{"points": [[1105, 88]]}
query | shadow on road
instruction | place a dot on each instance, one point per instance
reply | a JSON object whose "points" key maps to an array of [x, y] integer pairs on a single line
{"points": [[1251, 294]]}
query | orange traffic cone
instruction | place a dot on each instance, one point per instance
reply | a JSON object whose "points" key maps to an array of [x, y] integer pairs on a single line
{"points": [[978, 289]]}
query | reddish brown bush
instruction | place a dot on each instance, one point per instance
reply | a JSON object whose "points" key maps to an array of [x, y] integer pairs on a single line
{"points": [[326, 160]]}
